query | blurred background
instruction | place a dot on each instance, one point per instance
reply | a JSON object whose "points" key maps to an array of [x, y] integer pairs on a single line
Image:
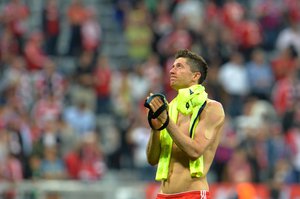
{"points": [[74, 75]]}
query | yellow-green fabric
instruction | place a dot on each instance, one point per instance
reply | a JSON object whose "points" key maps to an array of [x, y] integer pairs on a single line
{"points": [[188, 101]]}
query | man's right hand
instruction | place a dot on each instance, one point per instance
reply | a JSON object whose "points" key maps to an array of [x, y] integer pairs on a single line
{"points": [[156, 103], [156, 123]]}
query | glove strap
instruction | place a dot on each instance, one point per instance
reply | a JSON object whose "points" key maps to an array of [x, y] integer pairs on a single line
{"points": [[154, 115]]}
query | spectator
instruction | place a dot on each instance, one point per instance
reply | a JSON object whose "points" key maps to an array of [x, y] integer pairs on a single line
{"points": [[66, 135], [278, 153], [238, 169], [91, 32], [269, 14], [190, 11], [76, 16], [228, 143], [102, 84], [34, 54], [282, 173], [35, 167], [210, 45], [8, 45], [16, 76], [50, 136], [152, 72], [139, 86], [233, 78], [286, 92], [50, 81], [178, 38], [228, 44], [138, 34], [212, 84], [284, 62], [290, 115], [293, 140], [289, 36], [162, 23], [248, 35], [52, 166], [138, 136], [111, 142], [232, 13], [45, 108], [83, 82], [121, 97], [15, 15], [260, 75], [19, 145], [80, 118], [51, 18], [87, 163], [12, 169]]}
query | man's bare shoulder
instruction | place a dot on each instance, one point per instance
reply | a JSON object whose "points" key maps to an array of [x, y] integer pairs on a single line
{"points": [[215, 110]]}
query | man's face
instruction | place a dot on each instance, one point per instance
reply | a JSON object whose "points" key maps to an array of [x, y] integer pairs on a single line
{"points": [[181, 75]]}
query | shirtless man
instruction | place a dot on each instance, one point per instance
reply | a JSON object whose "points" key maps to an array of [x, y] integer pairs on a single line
{"points": [[177, 180]]}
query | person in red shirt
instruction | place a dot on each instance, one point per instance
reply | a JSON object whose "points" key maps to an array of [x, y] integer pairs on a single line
{"points": [[286, 92], [15, 13], [248, 34], [232, 13], [283, 63], [102, 80], [33, 52], [87, 162]]}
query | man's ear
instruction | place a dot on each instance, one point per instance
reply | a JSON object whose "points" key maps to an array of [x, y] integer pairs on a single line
{"points": [[197, 76]]}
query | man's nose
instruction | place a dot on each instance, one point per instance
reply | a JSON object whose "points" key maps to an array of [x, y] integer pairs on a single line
{"points": [[172, 70]]}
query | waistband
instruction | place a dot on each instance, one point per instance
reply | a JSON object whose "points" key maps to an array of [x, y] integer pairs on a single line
{"points": [[202, 194]]}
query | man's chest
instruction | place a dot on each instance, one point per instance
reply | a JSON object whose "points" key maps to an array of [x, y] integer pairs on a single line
{"points": [[183, 123]]}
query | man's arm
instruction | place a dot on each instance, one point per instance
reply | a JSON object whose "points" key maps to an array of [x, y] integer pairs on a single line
{"points": [[210, 124], [153, 148]]}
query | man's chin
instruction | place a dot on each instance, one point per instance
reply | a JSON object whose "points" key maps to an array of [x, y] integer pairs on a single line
{"points": [[174, 86]]}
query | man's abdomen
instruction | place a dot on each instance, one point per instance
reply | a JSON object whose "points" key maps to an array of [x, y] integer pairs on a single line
{"points": [[180, 179]]}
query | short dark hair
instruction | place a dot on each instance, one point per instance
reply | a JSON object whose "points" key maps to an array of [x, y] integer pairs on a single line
{"points": [[196, 62]]}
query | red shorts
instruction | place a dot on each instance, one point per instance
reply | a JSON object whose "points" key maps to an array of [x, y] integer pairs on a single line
{"points": [[185, 195]]}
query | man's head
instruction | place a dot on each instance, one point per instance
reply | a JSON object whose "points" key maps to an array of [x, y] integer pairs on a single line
{"points": [[188, 69]]}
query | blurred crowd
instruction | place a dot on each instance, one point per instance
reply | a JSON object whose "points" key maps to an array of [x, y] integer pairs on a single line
{"points": [[55, 124]]}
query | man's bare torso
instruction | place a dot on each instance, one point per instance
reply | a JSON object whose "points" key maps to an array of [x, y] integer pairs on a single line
{"points": [[180, 179]]}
